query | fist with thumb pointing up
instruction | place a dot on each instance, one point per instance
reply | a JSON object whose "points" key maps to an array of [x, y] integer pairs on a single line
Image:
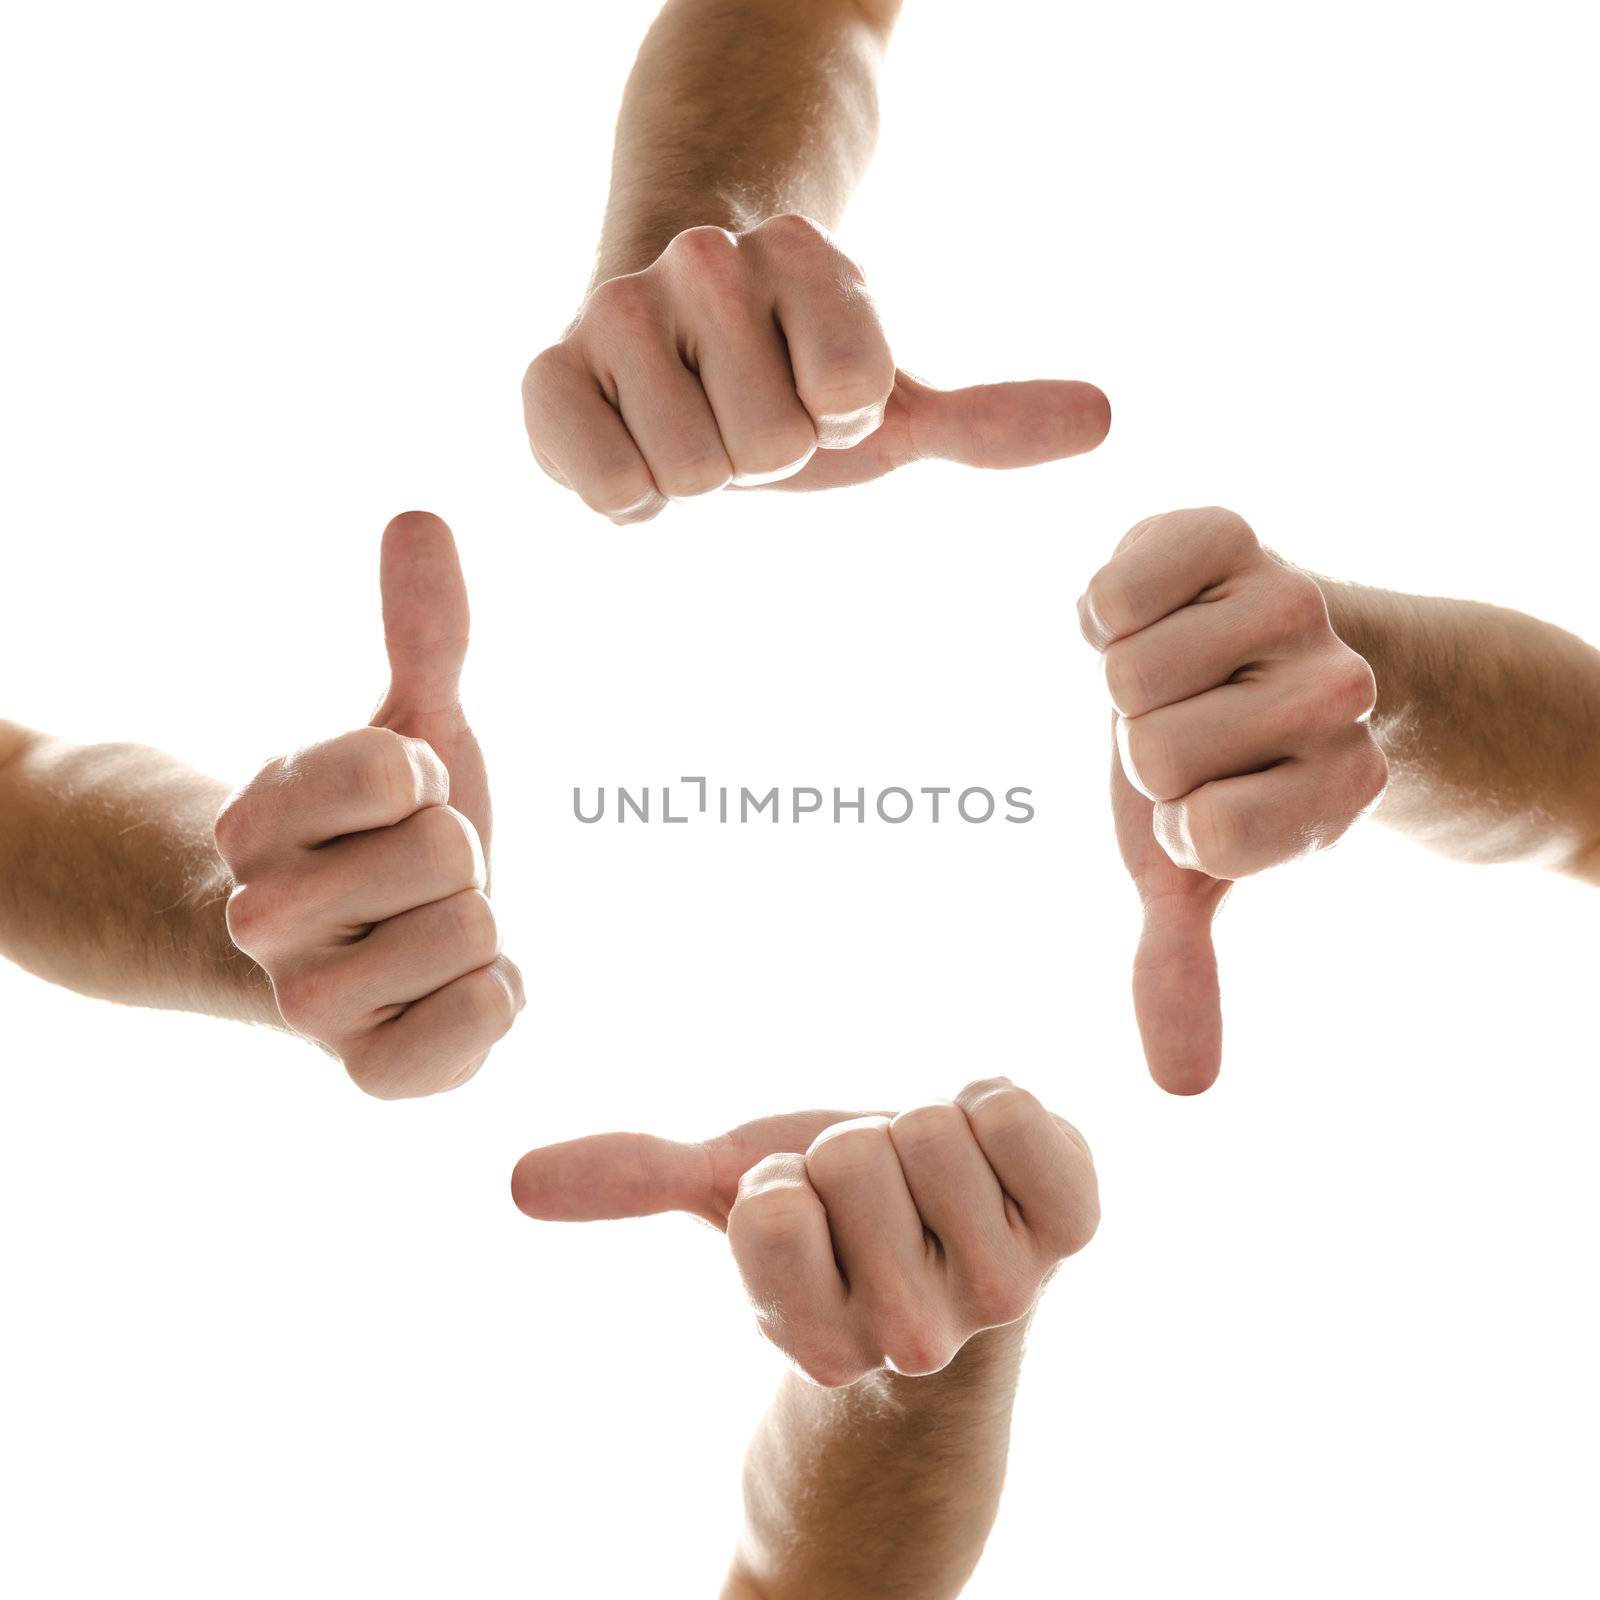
{"points": [[361, 864]]}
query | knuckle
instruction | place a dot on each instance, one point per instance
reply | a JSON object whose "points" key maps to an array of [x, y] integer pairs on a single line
{"points": [[704, 250], [626, 304], [491, 1003], [1218, 836], [771, 1212], [232, 825], [839, 1157], [1345, 688], [1298, 607], [912, 1344], [306, 999], [540, 377], [447, 843], [374, 1069], [1229, 530], [1127, 678], [381, 768], [473, 928], [790, 230], [685, 480], [623, 490], [831, 1365], [1077, 1224], [854, 387], [1149, 754], [995, 1106], [1106, 609], [935, 1124], [1360, 685], [256, 915], [1001, 1296], [515, 984], [777, 449]]}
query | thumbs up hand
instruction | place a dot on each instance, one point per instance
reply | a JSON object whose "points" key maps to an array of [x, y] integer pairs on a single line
{"points": [[756, 359], [863, 1242], [360, 864], [1241, 741]]}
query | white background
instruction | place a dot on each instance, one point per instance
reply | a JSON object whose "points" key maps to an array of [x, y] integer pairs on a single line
{"points": [[272, 275]]}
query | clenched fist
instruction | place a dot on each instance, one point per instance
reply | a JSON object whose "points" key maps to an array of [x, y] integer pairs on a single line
{"points": [[360, 864], [864, 1242], [1242, 741], [757, 359]]}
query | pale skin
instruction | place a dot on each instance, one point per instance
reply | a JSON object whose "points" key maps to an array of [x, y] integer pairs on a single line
{"points": [[342, 895], [1260, 711], [726, 339], [895, 1261]]}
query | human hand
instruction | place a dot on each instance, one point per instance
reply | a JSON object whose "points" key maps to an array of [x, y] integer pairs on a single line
{"points": [[756, 359], [360, 864], [863, 1242], [1242, 741]]}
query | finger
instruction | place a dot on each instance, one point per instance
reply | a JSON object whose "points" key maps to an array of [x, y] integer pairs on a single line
{"points": [[1175, 970], [779, 1232], [1045, 1172], [1239, 728], [367, 778], [1164, 564], [666, 411], [579, 439], [744, 370], [1005, 425], [843, 372], [1176, 998], [426, 619], [952, 1185], [357, 881], [636, 1174], [609, 1175], [877, 1232], [1182, 655], [412, 954], [1302, 707], [440, 1041], [1234, 827]]}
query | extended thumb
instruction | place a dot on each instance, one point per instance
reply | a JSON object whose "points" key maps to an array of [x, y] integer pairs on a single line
{"points": [[1175, 992], [611, 1175], [1006, 424], [425, 616]]}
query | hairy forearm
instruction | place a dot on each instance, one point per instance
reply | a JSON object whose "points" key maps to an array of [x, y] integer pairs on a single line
{"points": [[887, 1488], [738, 110], [1491, 723], [109, 880]]}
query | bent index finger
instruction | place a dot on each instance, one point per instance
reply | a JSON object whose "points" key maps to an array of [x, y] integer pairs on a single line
{"points": [[368, 778], [1161, 566]]}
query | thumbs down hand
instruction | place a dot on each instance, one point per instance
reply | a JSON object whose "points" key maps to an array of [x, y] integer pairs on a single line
{"points": [[1242, 741]]}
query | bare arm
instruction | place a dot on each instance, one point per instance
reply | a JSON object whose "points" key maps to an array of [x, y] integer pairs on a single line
{"points": [[740, 110], [110, 883], [896, 1262], [339, 894], [887, 1488], [1491, 724], [726, 339]]}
